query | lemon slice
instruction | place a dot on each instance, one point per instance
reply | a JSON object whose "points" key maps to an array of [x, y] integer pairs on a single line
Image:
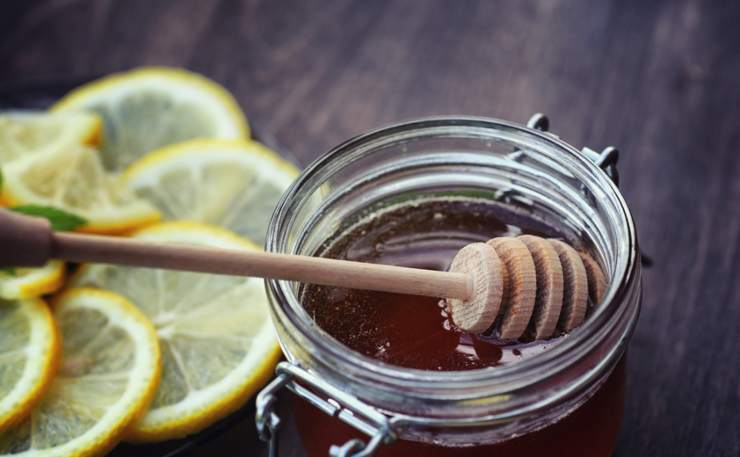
{"points": [[149, 108], [24, 133], [232, 184], [217, 340], [32, 282], [29, 353], [74, 180], [107, 376]]}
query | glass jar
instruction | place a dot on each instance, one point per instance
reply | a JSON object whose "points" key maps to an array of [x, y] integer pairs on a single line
{"points": [[567, 400]]}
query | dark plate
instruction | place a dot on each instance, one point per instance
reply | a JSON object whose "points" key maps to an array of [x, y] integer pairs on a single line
{"points": [[234, 435]]}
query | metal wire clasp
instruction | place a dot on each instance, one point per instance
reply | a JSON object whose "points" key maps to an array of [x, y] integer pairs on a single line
{"points": [[328, 399], [606, 159]]}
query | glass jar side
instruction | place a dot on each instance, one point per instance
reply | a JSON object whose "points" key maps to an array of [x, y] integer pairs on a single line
{"points": [[480, 159]]}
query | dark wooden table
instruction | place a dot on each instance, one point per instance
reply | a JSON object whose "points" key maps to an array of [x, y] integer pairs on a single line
{"points": [[658, 79]]}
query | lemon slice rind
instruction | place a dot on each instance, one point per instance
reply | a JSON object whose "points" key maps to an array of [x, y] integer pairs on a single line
{"points": [[25, 133], [41, 359], [32, 282]]}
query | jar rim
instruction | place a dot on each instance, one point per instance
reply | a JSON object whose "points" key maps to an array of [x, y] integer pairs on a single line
{"points": [[496, 379]]}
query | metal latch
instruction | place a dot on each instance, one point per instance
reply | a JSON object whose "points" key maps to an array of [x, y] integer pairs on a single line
{"points": [[327, 399], [606, 159]]}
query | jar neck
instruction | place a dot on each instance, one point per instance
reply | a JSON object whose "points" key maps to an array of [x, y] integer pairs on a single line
{"points": [[503, 162]]}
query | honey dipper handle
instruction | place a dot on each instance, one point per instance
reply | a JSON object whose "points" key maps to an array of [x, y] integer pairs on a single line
{"points": [[24, 241], [28, 242], [314, 270]]}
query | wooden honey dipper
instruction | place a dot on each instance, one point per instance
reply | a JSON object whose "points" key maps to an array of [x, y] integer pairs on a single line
{"points": [[524, 279]]}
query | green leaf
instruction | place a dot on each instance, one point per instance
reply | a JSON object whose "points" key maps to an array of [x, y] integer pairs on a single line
{"points": [[60, 220], [8, 271], [1, 179]]}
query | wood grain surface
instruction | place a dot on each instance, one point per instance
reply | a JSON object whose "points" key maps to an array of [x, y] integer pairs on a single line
{"points": [[658, 79]]}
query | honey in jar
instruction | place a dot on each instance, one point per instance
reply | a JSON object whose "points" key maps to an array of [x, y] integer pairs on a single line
{"points": [[416, 332]]}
